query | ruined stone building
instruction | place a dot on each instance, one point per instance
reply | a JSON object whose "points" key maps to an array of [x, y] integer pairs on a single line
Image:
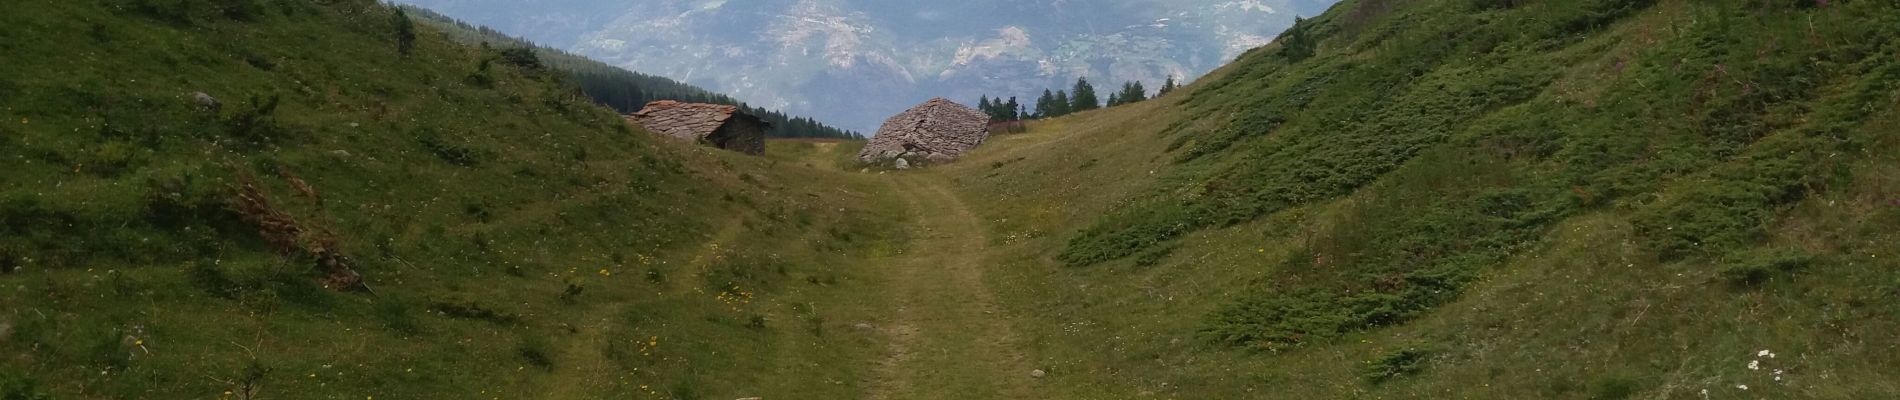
{"points": [[717, 125], [938, 130]]}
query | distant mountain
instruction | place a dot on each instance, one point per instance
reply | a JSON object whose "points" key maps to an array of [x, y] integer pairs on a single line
{"points": [[854, 62], [624, 90]]}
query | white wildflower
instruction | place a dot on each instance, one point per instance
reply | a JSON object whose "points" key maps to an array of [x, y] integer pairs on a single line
{"points": [[1742, 387], [1754, 365]]}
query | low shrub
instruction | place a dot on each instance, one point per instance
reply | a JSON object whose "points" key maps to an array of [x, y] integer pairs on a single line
{"points": [[475, 311], [1753, 268], [534, 351], [395, 314], [1394, 365]]}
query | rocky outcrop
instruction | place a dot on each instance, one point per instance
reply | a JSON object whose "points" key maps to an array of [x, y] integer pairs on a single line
{"points": [[206, 102], [939, 131]]}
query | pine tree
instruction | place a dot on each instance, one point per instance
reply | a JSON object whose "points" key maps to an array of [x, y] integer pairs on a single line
{"points": [[1167, 87], [1134, 93], [1114, 99], [986, 107], [1010, 110], [405, 33], [1297, 44], [1084, 98], [1045, 105], [1062, 104]]}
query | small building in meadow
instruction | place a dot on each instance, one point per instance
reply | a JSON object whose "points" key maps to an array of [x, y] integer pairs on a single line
{"points": [[716, 125], [938, 130]]}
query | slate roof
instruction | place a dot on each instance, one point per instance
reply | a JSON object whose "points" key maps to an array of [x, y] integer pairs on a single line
{"points": [[690, 121]]}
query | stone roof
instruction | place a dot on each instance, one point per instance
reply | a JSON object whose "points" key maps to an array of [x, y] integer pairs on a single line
{"points": [[690, 121], [938, 129]]}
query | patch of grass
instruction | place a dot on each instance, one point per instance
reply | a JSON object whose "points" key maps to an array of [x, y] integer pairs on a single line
{"points": [[1614, 388], [14, 386]]}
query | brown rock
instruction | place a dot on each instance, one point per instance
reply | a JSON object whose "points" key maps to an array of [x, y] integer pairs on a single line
{"points": [[938, 130]]}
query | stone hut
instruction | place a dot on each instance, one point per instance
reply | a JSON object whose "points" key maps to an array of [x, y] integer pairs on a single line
{"points": [[717, 125], [938, 130]]}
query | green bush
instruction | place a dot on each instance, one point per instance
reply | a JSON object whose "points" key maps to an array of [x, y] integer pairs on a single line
{"points": [[1153, 256], [1394, 365], [475, 311], [397, 315], [207, 276], [522, 57], [534, 350], [1754, 268], [256, 123], [453, 153]]}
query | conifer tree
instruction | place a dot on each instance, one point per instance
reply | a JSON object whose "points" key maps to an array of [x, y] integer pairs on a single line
{"points": [[1010, 110], [405, 33], [1084, 98], [1062, 104], [1045, 105], [1130, 93], [1167, 87], [1297, 44]]}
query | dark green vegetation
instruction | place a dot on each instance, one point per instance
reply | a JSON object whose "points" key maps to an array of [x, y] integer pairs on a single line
{"points": [[370, 209], [620, 89], [1060, 103]]}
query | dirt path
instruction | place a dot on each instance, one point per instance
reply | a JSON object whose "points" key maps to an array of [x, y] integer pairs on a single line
{"points": [[948, 337]]}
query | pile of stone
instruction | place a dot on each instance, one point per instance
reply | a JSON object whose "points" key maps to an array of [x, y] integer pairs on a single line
{"points": [[938, 131]]}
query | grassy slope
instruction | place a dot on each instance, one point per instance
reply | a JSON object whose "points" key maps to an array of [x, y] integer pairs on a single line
{"points": [[1492, 217], [1599, 199], [470, 197]]}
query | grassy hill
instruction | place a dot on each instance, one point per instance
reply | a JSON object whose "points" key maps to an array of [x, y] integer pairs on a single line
{"points": [[1484, 199], [513, 239], [1600, 199]]}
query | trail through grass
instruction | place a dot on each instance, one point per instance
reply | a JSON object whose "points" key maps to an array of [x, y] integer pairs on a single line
{"points": [[948, 337]]}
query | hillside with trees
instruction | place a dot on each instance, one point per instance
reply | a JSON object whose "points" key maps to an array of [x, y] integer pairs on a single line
{"points": [[1062, 102], [623, 90]]}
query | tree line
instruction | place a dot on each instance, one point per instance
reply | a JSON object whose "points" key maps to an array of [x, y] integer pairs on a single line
{"points": [[624, 91], [1079, 98]]}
